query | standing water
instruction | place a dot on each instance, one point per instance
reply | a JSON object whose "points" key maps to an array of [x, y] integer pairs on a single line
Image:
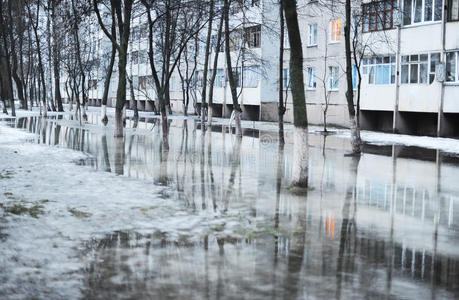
{"points": [[209, 216]]}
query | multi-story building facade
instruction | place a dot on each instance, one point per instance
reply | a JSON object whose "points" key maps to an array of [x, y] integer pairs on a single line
{"points": [[408, 53]]}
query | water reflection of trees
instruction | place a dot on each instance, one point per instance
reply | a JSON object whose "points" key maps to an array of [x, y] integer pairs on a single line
{"points": [[212, 169]]}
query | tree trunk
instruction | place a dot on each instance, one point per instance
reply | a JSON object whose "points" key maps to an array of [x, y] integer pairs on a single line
{"points": [[206, 66], [14, 58], [237, 111], [48, 40], [108, 77], [281, 108], [8, 83], [355, 130], [300, 157], [300, 120], [56, 59], [214, 71]]}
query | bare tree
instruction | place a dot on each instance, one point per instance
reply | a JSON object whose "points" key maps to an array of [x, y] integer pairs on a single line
{"points": [[355, 130], [237, 111], [123, 20], [300, 120]]}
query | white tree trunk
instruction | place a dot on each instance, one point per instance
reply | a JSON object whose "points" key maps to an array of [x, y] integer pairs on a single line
{"points": [[209, 117], [300, 157], [103, 112], [237, 122], [231, 119], [356, 142]]}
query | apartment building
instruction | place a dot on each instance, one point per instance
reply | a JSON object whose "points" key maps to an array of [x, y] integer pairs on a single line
{"points": [[407, 56]]}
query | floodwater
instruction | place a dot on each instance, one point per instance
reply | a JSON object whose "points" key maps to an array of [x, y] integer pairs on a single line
{"points": [[384, 226]]}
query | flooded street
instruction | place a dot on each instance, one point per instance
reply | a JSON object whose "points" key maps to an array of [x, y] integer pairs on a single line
{"points": [[208, 216]]}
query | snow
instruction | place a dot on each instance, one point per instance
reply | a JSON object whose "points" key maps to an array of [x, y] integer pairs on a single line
{"points": [[45, 250], [49, 256]]}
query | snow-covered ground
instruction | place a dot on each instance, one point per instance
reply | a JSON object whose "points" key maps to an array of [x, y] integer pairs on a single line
{"points": [[69, 231], [49, 206]]}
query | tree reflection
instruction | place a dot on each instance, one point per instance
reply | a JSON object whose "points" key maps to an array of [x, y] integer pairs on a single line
{"points": [[346, 253]]}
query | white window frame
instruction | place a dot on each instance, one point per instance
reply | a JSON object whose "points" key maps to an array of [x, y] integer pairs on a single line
{"points": [[413, 9], [333, 71], [418, 63], [312, 78], [456, 68], [312, 37], [371, 62]]}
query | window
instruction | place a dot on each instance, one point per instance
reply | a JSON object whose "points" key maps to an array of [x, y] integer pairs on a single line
{"points": [[255, 3], [92, 84], [378, 15], [235, 40], [451, 67], [251, 76], [335, 31], [418, 11], [213, 44], [354, 77], [143, 57], [312, 38], [143, 82], [237, 76], [415, 68], [197, 78], [333, 78], [219, 78], [172, 83], [286, 80], [453, 10], [434, 61], [312, 78], [135, 33], [253, 36], [236, 6], [380, 69], [143, 31], [135, 57]]}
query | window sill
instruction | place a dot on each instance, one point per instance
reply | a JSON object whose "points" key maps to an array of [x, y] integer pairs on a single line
{"points": [[312, 46], [334, 42], [420, 24], [333, 90], [311, 89], [384, 84], [418, 83]]}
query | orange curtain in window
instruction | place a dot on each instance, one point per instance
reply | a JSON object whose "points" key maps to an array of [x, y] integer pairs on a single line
{"points": [[338, 30], [335, 30]]}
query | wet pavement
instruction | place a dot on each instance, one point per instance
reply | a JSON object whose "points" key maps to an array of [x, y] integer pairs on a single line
{"points": [[383, 226]]}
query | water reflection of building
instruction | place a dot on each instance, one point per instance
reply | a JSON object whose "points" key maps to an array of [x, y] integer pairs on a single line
{"points": [[395, 220]]}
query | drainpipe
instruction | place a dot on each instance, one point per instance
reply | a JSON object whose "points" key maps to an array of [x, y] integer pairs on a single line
{"points": [[397, 75], [443, 60]]}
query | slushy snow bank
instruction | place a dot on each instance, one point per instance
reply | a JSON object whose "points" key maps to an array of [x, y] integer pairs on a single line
{"points": [[50, 207]]}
